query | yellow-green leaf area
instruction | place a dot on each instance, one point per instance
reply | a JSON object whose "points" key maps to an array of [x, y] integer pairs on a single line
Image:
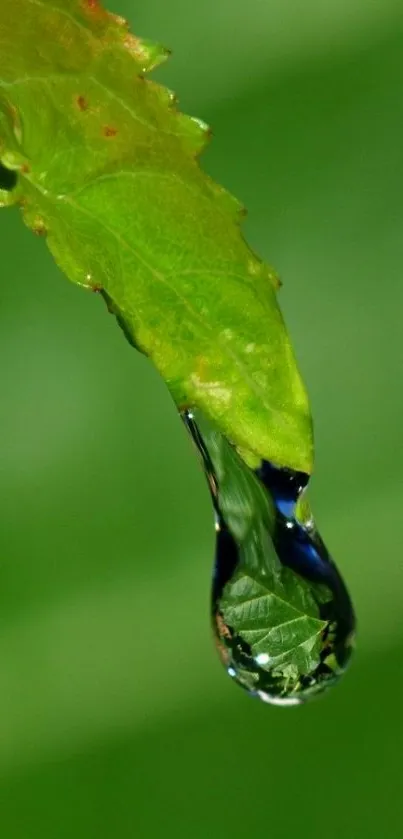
{"points": [[108, 171]]}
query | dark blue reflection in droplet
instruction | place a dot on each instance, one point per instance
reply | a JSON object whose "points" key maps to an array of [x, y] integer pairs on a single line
{"points": [[282, 616]]}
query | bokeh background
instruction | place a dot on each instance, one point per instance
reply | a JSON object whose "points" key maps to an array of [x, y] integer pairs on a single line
{"points": [[116, 719]]}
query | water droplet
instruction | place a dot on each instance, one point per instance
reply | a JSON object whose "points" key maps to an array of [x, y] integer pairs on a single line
{"points": [[282, 617]]}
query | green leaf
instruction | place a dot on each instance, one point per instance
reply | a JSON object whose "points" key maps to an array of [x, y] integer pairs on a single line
{"points": [[107, 170], [278, 617]]}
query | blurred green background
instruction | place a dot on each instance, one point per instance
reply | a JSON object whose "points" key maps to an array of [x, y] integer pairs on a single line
{"points": [[116, 719]]}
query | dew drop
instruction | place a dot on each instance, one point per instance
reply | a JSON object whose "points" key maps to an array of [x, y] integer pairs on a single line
{"points": [[282, 617]]}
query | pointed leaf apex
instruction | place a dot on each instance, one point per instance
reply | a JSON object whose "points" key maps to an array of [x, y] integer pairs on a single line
{"points": [[195, 133], [147, 54]]}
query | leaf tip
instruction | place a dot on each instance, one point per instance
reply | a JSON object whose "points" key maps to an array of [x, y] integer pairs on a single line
{"points": [[205, 133], [147, 54]]}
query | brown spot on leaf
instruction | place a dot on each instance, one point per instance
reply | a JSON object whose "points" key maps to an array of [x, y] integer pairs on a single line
{"points": [[82, 103], [97, 11], [110, 131], [25, 169]]}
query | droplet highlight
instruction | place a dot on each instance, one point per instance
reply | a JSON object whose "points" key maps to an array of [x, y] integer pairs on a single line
{"points": [[282, 617]]}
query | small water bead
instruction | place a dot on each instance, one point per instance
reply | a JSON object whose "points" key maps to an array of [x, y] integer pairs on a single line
{"points": [[282, 617]]}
